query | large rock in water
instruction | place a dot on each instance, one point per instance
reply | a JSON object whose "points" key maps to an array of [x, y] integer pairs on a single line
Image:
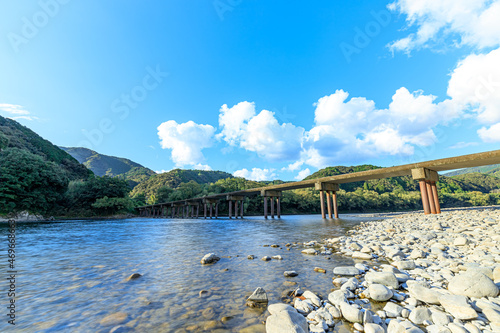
{"points": [[473, 284], [286, 321], [209, 259], [258, 296]]}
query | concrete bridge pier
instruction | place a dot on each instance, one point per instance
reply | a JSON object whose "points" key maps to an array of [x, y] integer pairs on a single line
{"points": [[238, 205], [274, 196], [427, 182], [331, 198]]}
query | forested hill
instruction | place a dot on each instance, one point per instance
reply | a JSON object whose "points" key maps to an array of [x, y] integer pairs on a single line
{"points": [[16, 137], [174, 178], [104, 165], [488, 169]]}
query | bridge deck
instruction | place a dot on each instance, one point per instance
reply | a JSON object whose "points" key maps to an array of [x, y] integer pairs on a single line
{"points": [[452, 163]]}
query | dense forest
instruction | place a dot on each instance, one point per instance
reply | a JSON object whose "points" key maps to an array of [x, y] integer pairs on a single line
{"points": [[38, 177]]}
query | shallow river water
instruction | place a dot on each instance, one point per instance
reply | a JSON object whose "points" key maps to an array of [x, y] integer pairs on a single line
{"points": [[72, 274]]}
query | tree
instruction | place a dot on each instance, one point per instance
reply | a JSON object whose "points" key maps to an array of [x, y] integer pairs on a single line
{"points": [[29, 182], [113, 205]]}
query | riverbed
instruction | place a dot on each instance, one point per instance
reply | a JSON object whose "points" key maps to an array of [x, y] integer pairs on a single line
{"points": [[72, 275]]}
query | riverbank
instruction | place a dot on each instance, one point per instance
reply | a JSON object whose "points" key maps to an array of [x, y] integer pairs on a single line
{"points": [[412, 273]]}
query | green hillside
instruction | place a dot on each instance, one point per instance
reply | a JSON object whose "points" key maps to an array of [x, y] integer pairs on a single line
{"points": [[16, 136], [104, 165], [488, 169], [174, 178]]}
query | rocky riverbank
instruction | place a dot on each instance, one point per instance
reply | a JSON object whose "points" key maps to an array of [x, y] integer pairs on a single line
{"points": [[413, 273]]}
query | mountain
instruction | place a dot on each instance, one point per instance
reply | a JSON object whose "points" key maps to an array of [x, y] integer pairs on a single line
{"points": [[16, 136], [104, 165], [174, 178], [488, 169]]}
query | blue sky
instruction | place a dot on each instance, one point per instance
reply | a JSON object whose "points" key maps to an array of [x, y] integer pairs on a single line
{"points": [[260, 89]]}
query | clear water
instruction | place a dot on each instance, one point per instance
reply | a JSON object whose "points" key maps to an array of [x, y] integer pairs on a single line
{"points": [[72, 274]]}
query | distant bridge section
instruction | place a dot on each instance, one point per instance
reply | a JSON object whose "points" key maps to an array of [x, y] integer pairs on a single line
{"points": [[426, 173]]}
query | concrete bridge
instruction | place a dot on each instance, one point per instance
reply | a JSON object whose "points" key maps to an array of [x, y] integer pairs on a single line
{"points": [[426, 173]]}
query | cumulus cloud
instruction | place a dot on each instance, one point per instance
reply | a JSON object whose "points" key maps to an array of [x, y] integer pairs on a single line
{"points": [[469, 22], [354, 129], [260, 133], [256, 174], [294, 166], [303, 174], [186, 140], [475, 86], [491, 134]]}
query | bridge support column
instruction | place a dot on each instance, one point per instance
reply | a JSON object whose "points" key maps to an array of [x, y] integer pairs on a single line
{"points": [[211, 208], [335, 204], [204, 210], [236, 199], [265, 208], [197, 210], [278, 207], [331, 198], [436, 197], [272, 195], [272, 207], [173, 211], [216, 210], [427, 182]]}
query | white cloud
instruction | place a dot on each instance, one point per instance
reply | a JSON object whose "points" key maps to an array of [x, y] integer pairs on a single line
{"points": [[13, 109], [260, 133], [256, 174], [491, 134], [15, 112], [469, 22], [303, 174], [294, 166], [353, 130], [186, 141], [234, 121], [475, 83], [200, 166], [162, 171]]}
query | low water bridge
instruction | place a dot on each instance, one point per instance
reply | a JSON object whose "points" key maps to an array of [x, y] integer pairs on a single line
{"points": [[426, 173]]}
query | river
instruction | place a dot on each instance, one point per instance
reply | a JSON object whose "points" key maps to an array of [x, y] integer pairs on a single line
{"points": [[73, 274]]}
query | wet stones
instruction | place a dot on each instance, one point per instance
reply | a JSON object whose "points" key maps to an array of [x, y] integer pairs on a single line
{"points": [[258, 296], [134, 276], [319, 270], [290, 273], [114, 319], [209, 258]]}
